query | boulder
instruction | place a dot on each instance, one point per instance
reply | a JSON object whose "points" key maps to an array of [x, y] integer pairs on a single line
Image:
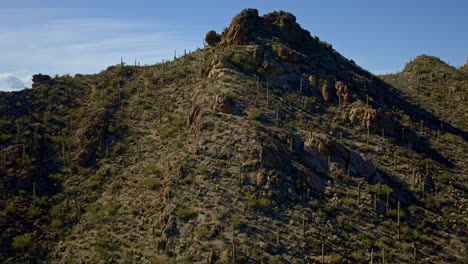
{"points": [[212, 38], [327, 91], [312, 81], [194, 119], [320, 148], [256, 51], [372, 119], [288, 55], [222, 103], [343, 92], [283, 25], [365, 117], [40, 79], [261, 178]]}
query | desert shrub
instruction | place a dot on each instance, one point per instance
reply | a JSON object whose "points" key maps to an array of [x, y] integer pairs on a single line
{"points": [[203, 232], [172, 127], [236, 221], [56, 223], [358, 257], [152, 183], [445, 177], [254, 114], [226, 173], [5, 137], [186, 213], [276, 259], [263, 203], [336, 258], [202, 170], [344, 222], [366, 240], [334, 126], [22, 241]]}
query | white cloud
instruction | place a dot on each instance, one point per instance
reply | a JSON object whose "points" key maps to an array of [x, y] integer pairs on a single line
{"points": [[80, 41], [11, 82]]}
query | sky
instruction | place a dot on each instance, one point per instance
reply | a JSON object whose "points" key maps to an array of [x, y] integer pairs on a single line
{"points": [[70, 37]]}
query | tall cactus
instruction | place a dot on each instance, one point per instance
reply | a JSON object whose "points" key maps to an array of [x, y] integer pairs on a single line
{"points": [[300, 87], [323, 251], [398, 220], [2, 154], [359, 193], [233, 245], [268, 94]]}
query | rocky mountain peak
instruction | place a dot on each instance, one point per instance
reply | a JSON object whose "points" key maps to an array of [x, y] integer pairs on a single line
{"points": [[248, 27]]}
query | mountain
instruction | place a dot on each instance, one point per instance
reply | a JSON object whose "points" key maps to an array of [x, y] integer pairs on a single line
{"points": [[265, 146], [436, 87]]}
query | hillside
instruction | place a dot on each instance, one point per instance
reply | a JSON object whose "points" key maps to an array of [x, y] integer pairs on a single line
{"points": [[265, 146], [436, 87]]}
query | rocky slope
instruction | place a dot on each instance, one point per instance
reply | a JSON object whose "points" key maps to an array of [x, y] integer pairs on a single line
{"points": [[266, 146]]}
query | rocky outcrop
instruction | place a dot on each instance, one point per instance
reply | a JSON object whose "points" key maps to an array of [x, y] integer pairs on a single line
{"points": [[248, 26], [92, 129], [343, 92], [222, 103], [218, 66], [194, 119], [372, 119], [41, 79], [288, 55], [284, 25], [327, 91], [241, 28], [319, 149]]}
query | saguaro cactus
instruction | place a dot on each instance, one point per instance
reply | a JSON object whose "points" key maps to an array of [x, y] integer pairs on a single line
{"points": [[268, 94], [359, 193], [300, 87], [233, 245], [398, 220]]}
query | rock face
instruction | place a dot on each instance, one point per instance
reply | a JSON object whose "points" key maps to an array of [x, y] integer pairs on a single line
{"points": [[222, 103], [241, 28], [372, 119], [288, 55], [327, 91], [194, 119], [286, 27], [319, 148], [343, 92], [92, 129], [247, 25]]}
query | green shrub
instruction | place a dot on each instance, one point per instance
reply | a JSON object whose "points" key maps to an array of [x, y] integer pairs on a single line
{"points": [[336, 258], [152, 183], [202, 170], [254, 114], [236, 222], [358, 257], [186, 213], [22, 241], [203, 232], [56, 223]]}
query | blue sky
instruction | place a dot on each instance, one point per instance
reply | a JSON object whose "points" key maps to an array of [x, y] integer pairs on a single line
{"points": [[60, 37]]}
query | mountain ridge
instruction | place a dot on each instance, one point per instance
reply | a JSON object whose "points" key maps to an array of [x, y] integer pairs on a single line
{"points": [[254, 149]]}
